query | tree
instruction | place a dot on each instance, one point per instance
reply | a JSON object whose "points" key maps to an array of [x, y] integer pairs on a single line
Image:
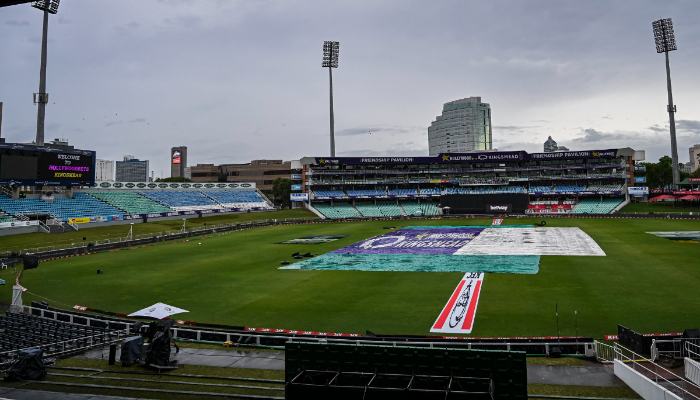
{"points": [[659, 175], [281, 190]]}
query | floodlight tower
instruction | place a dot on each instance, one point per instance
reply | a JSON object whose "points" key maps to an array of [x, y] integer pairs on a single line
{"points": [[665, 42], [330, 60], [41, 98]]}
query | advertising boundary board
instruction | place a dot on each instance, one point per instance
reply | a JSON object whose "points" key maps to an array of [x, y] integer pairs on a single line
{"points": [[18, 224], [173, 185]]}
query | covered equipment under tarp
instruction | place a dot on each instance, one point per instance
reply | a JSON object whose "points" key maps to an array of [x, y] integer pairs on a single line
{"points": [[29, 366], [131, 350], [158, 353]]}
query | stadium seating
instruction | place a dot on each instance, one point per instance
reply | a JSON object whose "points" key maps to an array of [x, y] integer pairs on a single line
{"points": [[402, 192], [412, 207], [510, 189], [23, 331], [366, 193], [568, 188], [390, 209], [429, 192], [182, 200], [604, 188], [130, 202], [245, 199], [6, 217], [368, 210], [595, 206], [339, 210], [540, 189], [330, 193], [81, 205]]}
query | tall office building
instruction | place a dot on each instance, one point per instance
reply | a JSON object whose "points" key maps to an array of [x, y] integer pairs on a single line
{"points": [[694, 153], [178, 161], [132, 170], [104, 170], [464, 126]]}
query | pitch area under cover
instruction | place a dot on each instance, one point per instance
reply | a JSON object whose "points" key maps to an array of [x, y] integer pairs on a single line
{"points": [[642, 282]]}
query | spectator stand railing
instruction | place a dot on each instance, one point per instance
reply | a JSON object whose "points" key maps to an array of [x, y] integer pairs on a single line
{"points": [[692, 367], [663, 377], [672, 348]]}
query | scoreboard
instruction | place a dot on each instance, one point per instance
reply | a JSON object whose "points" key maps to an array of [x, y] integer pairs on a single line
{"points": [[29, 165]]}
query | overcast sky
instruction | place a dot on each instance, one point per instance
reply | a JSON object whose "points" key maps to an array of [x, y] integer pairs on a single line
{"points": [[241, 80]]}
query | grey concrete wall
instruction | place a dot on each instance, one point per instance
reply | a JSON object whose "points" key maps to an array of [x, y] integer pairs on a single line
{"points": [[644, 386], [18, 230]]}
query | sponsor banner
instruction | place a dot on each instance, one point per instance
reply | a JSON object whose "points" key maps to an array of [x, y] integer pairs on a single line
{"points": [[458, 314], [638, 191], [497, 221], [537, 206], [560, 206], [81, 308], [79, 220], [314, 333], [615, 337], [693, 179], [296, 177], [686, 192], [640, 168], [640, 179], [467, 157], [18, 224], [414, 241], [299, 196], [173, 185], [499, 207], [296, 187]]}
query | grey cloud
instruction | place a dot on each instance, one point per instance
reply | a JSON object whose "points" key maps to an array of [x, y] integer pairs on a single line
{"points": [[606, 117], [137, 120], [14, 22], [512, 128], [657, 128], [112, 123], [186, 21], [384, 153], [688, 125], [379, 129], [593, 136]]}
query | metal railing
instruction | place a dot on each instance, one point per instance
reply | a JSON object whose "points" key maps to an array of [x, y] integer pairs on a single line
{"points": [[604, 353], [671, 348], [692, 348], [660, 375]]}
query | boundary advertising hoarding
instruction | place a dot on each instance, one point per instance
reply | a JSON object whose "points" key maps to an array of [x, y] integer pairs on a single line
{"points": [[299, 196], [638, 191], [174, 185]]}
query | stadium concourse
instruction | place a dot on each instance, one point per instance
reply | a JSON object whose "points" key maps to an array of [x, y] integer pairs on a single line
{"points": [[569, 182]]}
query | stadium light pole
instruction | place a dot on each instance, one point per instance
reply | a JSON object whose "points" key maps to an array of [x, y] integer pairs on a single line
{"points": [[665, 42], [41, 98], [330, 60]]}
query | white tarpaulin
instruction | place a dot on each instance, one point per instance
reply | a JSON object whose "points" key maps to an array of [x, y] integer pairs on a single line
{"points": [[158, 311], [532, 241]]}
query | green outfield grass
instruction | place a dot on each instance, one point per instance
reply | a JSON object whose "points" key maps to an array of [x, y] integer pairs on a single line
{"points": [[662, 207], [645, 282]]}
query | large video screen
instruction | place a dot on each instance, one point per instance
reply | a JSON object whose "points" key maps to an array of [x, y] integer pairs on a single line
{"points": [[32, 165]]}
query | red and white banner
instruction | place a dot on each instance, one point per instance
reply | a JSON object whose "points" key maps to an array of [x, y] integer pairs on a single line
{"points": [[458, 314], [497, 221]]}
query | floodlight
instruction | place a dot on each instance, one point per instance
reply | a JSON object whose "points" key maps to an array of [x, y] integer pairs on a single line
{"points": [[663, 35], [665, 42], [50, 6], [330, 54]]}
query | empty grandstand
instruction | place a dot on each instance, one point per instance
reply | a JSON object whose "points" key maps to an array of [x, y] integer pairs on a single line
{"points": [[243, 199], [182, 200], [337, 210], [81, 205], [130, 202], [598, 206]]}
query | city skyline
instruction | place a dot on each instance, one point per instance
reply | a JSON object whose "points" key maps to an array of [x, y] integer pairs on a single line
{"points": [[241, 81]]}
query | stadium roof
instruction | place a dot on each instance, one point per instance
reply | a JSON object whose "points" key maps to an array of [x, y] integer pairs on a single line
{"points": [[6, 3]]}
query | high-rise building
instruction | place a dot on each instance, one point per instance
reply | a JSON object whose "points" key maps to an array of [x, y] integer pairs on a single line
{"points": [[550, 146], [178, 161], [694, 153], [132, 170], [465, 125], [104, 170]]}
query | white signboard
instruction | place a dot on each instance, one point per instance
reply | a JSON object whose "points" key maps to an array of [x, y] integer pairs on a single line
{"points": [[18, 224], [638, 191], [458, 314], [299, 196]]}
